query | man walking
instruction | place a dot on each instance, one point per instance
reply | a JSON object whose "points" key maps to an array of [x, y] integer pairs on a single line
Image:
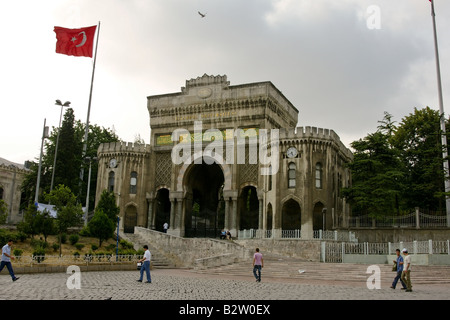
{"points": [[6, 259], [406, 274], [258, 264], [146, 265], [399, 263]]}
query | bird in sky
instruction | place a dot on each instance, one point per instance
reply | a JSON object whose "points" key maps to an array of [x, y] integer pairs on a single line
{"points": [[202, 14]]}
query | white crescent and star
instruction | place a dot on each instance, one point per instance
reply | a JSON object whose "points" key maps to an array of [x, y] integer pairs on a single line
{"points": [[82, 41]]}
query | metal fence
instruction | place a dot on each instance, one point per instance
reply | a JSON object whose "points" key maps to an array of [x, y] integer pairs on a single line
{"points": [[334, 251], [335, 235]]}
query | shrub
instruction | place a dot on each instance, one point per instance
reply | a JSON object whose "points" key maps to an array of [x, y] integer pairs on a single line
{"points": [[40, 253], [17, 252], [35, 243], [63, 238], [55, 246], [94, 247], [21, 236], [125, 244], [111, 247], [79, 246], [5, 235], [74, 239]]}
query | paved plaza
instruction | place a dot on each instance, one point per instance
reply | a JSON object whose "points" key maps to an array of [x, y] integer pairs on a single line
{"points": [[182, 284]]}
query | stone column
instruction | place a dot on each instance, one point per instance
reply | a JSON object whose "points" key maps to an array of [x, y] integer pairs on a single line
{"points": [[261, 220], [150, 218], [150, 212], [172, 214], [179, 221], [227, 214], [234, 223]]}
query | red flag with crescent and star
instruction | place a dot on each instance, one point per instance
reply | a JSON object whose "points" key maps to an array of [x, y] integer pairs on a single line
{"points": [[75, 42]]}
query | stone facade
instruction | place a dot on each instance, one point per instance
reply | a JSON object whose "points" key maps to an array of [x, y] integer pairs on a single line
{"points": [[206, 167], [11, 177]]}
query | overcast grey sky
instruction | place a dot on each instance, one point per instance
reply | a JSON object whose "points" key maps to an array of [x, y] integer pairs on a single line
{"points": [[342, 63]]}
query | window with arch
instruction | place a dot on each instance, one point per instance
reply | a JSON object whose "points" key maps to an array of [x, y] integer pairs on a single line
{"points": [[270, 178], [111, 178], [291, 175], [133, 183], [319, 175]]}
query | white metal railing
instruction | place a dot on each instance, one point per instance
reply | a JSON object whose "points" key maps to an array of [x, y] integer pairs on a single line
{"points": [[291, 234], [335, 235], [333, 251]]}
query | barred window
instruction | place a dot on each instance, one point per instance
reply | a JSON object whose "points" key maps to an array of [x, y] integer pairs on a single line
{"points": [[318, 175], [133, 182], [291, 175], [111, 178]]}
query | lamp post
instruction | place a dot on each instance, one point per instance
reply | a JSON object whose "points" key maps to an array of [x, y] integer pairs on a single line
{"points": [[117, 244], [88, 159], [58, 103], [442, 121], [44, 136]]}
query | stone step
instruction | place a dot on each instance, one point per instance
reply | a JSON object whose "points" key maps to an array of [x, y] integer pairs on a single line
{"points": [[299, 269], [158, 259]]}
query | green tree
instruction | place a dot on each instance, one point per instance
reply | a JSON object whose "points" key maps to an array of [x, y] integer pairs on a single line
{"points": [[47, 225], [107, 204], [418, 140], [68, 212], [101, 226], [377, 173], [69, 159], [30, 223]]}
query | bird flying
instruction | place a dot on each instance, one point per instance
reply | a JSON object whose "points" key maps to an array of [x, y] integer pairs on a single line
{"points": [[201, 14]]}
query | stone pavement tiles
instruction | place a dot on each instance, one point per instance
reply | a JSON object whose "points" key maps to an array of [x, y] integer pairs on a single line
{"points": [[176, 284]]}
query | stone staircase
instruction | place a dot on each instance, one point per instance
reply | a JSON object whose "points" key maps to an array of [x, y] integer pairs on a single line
{"points": [[159, 260], [319, 272], [295, 269]]}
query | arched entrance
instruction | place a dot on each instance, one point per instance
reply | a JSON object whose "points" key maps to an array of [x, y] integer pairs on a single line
{"points": [[162, 209], [248, 208], [204, 205], [291, 215], [130, 220]]}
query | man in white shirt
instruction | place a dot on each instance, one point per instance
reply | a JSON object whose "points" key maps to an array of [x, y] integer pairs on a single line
{"points": [[146, 265], [406, 274], [6, 259]]}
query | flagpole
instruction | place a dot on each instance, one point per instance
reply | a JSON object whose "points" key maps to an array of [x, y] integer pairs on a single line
{"points": [[442, 117], [87, 119]]}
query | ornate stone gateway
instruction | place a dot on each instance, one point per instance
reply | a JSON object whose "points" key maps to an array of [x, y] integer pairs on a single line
{"points": [[227, 157]]}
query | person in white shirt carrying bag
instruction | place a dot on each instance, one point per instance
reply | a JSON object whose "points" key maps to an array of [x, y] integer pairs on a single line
{"points": [[146, 265]]}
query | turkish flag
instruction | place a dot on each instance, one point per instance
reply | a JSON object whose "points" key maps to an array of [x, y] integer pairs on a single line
{"points": [[75, 42]]}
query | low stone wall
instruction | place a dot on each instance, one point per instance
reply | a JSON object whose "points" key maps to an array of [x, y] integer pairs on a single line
{"points": [[296, 248], [43, 268]]}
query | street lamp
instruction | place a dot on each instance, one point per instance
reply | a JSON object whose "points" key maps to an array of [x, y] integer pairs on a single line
{"points": [[88, 159], [58, 103], [44, 136]]}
